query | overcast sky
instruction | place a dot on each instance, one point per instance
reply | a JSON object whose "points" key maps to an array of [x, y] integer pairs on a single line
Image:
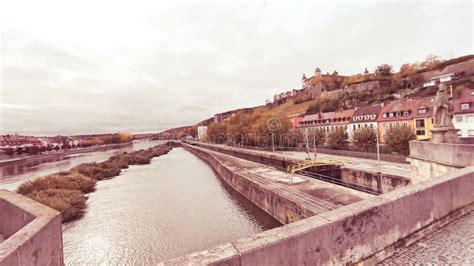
{"points": [[71, 67]]}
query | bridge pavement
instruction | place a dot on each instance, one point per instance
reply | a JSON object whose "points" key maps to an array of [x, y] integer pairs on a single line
{"points": [[450, 245]]}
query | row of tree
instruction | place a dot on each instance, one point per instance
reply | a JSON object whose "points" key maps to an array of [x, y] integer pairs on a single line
{"points": [[262, 128], [365, 139]]}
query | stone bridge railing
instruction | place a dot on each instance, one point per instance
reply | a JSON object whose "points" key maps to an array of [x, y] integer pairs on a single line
{"points": [[31, 233]]}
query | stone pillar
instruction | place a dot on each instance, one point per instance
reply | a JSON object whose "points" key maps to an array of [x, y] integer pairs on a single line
{"points": [[430, 159]]}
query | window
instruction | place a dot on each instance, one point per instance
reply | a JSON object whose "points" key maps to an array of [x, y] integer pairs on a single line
{"points": [[398, 124], [470, 133], [422, 111], [354, 127], [465, 106], [459, 118], [384, 115], [390, 115], [406, 113], [420, 132], [469, 118], [420, 123], [399, 114], [405, 124]]}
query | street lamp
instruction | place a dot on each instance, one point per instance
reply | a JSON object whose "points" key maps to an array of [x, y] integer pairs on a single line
{"points": [[378, 146]]}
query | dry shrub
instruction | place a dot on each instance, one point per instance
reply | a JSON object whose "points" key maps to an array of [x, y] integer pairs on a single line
{"points": [[62, 180], [71, 203], [97, 171]]}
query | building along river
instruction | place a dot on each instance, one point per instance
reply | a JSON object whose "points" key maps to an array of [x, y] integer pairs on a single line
{"points": [[151, 213]]}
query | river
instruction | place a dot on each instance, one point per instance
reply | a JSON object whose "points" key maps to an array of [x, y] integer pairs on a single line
{"points": [[12, 175], [150, 213]]}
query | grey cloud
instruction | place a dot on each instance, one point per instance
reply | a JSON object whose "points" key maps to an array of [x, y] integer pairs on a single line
{"points": [[179, 63]]}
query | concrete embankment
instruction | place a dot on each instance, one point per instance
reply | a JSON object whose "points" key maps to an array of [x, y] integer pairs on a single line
{"points": [[367, 231], [284, 208], [287, 197], [354, 178], [32, 232]]}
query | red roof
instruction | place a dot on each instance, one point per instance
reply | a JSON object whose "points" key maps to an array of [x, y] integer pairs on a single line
{"points": [[465, 96], [401, 110]]}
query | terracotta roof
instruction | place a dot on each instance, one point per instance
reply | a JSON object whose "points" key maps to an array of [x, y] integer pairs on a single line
{"points": [[366, 114], [426, 103], [320, 116], [345, 116], [466, 96], [406, 110]]}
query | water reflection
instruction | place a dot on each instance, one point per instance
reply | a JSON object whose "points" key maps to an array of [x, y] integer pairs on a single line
{"points": [[163, 210], [14, 174]]}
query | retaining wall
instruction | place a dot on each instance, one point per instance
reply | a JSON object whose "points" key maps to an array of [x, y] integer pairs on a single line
{"points": [[373, 181], [369, 230], [281, 208], [32, 232]]}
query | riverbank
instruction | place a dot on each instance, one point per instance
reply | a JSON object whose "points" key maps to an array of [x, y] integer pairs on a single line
{"points": [[63, 153], [66, 191]]}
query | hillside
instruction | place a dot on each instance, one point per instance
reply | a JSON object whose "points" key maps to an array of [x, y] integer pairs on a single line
{"points": [[331, 92]]}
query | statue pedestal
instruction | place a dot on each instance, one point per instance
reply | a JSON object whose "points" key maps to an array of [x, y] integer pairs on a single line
{"points": [[445, 135]]}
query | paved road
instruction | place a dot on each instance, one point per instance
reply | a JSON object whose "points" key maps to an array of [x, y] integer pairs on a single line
{"points": [[399, 169], [453, 245]]}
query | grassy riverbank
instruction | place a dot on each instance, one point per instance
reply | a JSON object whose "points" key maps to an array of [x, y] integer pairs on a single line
{"points": [[65, 191]]}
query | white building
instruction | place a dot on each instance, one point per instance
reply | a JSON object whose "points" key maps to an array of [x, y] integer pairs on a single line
{"points": [[442, 78], [202, 132], [364, 117], [463, 118]]}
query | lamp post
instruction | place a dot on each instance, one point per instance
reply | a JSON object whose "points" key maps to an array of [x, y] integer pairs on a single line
{"points": [[378, 147], [314, 143], [273, 142]]}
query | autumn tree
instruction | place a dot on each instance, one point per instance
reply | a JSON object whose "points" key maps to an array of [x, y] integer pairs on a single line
{"points": [[432, 62], [337, 139], [384, 70], [317, 136], [397, 139], [216, 133], [407, 70], [365, 138]]}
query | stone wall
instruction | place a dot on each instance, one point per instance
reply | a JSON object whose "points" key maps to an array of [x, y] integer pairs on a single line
{"points": [[431, 160], [278, 206], [374, 182], [32, 232], [367, 231]]}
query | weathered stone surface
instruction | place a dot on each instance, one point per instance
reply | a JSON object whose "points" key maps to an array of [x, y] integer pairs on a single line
{"points": [[429, 160], [33, 232]]}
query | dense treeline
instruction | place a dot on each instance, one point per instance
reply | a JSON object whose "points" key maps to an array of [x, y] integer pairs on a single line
{"points": [[65, 191], [258, 128], [121, 137]]}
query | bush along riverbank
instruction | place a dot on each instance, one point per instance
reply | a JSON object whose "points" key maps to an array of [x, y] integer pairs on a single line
{"points": [[66, 191]]}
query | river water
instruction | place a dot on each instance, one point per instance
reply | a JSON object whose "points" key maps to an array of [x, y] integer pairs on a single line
{"points": [[151, 213], [12, 175]]}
